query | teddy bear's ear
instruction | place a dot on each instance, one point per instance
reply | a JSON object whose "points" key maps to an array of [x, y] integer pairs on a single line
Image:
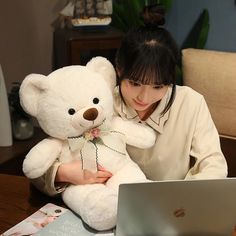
{"points": [[104, 67], [30, 90]]}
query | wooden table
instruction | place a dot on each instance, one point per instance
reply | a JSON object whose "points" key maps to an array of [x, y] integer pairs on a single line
{"points": [[18, 200]]}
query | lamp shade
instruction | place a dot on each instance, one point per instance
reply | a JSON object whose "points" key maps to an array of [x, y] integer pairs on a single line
{"points": [[5, 120]]}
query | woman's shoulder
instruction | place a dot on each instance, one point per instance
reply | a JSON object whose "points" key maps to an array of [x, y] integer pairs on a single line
{"points": [[185, 92], [187, 97]]}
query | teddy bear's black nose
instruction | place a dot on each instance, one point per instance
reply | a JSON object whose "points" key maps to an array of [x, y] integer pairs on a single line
{"points": [[90, 114]]}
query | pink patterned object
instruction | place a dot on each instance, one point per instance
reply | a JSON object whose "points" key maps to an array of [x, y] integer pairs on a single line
{"points": [[92, 134]]}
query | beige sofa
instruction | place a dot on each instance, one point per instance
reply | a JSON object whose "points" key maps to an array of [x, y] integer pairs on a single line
{"points": [[213, 74]]}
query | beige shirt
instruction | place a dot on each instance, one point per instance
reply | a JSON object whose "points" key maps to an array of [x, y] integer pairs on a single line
{"points": [[186, 134]]}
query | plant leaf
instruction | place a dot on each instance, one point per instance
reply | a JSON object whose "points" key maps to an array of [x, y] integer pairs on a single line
{"points": [[203, 35], [126, 14], [199, 32], [132, 8], [167, 4], [195, 39], [118, 17]]}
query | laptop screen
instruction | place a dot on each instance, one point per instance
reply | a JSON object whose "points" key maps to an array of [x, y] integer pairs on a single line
{"points": [[193, 207]]}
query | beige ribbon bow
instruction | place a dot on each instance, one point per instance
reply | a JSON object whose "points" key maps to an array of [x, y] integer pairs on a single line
{"points": [[77, 143]]}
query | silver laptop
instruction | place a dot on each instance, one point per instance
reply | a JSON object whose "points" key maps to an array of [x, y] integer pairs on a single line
{"points": [[183, 208]]}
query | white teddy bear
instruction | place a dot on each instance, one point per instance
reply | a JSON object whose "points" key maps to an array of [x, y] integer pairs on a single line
{"points": [[74, 106]]}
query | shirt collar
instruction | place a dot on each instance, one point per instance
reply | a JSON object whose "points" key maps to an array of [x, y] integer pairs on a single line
{"points": [[156, 119]]}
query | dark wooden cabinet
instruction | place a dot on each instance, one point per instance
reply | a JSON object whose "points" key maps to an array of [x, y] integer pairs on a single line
{"points": [[78, 46]]}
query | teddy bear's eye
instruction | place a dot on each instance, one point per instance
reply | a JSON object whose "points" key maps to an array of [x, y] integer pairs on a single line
{"points": [[95, 100], [71, 111]]}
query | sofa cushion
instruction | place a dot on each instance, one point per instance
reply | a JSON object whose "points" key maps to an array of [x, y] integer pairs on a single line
{"points": [[213, 74]]}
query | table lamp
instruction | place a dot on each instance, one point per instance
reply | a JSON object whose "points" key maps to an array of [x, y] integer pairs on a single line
{"points": [[5, 119]]}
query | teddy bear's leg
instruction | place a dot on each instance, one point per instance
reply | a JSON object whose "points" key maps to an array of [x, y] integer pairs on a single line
{"points": [[95, 203]]}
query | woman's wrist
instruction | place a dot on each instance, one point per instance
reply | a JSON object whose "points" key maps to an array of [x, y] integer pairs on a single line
{"points": [[60, 175]]}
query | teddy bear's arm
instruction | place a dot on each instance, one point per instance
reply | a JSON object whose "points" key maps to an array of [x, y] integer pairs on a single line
{"points": [[41, 157], [136, 134]]}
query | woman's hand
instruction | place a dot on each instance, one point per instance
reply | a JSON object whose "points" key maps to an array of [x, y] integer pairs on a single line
{"points": [[72, 173]]}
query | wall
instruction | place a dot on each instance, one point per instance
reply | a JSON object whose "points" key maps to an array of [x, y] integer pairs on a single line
{"points": [[26, 31], [222, 33], [26, 37]]}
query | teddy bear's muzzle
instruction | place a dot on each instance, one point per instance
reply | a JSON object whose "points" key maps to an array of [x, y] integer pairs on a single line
{"points": [[90, 114]]}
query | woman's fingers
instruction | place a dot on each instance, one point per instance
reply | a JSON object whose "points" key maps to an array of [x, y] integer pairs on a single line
{"points": [[73, 173], [101, 180], [101, 168], [101, 174], [97, 177]]}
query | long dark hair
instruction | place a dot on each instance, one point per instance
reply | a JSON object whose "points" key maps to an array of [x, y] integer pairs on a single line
{"points": [[149, 54]]}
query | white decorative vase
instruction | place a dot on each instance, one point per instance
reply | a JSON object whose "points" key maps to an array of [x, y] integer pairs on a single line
{"points": [[5, 119]]}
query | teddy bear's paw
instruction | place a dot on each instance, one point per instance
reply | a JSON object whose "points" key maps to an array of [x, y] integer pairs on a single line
{"points": [[31, 171], [105, 222], [35, 167], [147, 137], [101, 210], [139, 135], [95, 203], [41, 157]]}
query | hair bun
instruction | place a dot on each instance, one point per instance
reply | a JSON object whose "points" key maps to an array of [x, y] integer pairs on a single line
{"points": [[154, 15]]}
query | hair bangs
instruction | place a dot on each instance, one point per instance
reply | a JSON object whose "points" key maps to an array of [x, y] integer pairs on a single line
{"points": [[149, 68]]}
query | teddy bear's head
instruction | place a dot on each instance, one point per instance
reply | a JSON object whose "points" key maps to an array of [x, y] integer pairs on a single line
{"points": [[70, 100]]}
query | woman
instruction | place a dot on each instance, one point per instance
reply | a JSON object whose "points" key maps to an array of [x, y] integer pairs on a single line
{"points": [[187, 145]]}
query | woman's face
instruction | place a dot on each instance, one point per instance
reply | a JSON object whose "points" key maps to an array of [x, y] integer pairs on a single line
{"points": [[141, 97]]}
